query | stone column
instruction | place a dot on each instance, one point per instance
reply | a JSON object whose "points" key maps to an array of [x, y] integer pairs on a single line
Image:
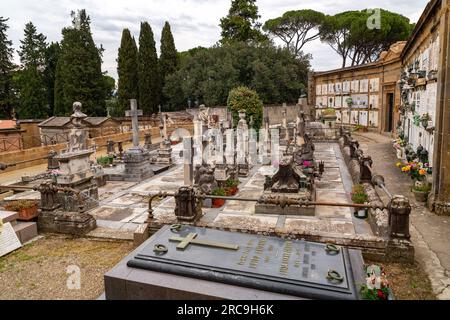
{"points": [[188, 153], [441, 161], [399, 211]]}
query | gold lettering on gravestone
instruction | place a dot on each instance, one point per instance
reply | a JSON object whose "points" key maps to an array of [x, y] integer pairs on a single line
{"points": [[287, 251], [244, 256]]}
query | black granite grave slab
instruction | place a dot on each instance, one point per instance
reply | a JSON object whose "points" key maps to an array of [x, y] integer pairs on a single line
{"points": [[289, 267]]}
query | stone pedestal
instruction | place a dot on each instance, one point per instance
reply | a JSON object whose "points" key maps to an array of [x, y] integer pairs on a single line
{"points": [[285, 191], [164, 156], [137, 165], [76, 174], [74, 223]]}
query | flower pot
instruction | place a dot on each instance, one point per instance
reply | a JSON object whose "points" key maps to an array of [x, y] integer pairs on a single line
{"points": [[28, 214], [217, 203], [361, 213], [421, 196]]}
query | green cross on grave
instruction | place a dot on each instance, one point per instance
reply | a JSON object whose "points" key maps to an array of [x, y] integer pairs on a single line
{"points": [[190, 239]]}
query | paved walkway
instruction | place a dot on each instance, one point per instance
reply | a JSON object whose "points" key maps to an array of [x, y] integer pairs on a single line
{"points": [[430, 233]]}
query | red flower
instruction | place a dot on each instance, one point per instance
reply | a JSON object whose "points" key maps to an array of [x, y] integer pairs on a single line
{"points": [[381, 295]]}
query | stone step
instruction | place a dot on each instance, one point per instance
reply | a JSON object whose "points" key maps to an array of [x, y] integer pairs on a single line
{"points": [[8, 216], [26, 231]]}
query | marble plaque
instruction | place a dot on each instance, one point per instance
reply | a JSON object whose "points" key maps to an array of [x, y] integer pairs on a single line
{"points": [[8, 239], [294, 267]]}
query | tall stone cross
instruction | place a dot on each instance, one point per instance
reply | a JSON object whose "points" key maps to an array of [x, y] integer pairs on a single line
{"points": [[134, 113]]}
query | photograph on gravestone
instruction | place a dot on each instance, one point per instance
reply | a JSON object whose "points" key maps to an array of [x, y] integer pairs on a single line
{"points": [[291, 267]]}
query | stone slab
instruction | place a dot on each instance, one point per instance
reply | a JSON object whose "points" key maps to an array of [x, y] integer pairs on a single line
{"points": [[8, 239], [26, 231], [302, 274], [8, 216], [27, 195]]}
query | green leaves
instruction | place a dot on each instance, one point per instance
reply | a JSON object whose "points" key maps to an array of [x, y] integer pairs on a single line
{"points": [[149, 74], [243, 98], [78, 74], [127, 69], [296, 28], [168, 61], [6, 68], [349, 35], [240, 25], [208, 75], [33, 103]]}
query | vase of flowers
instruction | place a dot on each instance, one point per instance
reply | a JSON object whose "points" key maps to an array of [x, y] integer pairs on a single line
{"points": [[377, 286], [418, 172]]}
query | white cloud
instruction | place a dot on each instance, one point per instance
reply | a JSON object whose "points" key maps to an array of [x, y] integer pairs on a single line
{"points": [[194, 22]]}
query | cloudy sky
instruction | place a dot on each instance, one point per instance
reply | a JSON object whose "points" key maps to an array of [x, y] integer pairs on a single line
{"points": [[194, 22]]}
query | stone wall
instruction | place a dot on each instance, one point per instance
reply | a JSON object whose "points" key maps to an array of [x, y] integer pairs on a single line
{"points": [[274, 113], [40, 152], [369, 87]]}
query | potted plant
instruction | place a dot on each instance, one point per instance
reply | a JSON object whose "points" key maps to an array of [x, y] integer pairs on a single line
{"points": [[27, 209], [418, 172], [219, 192], [232, 186], [359, 196], [425, 120]]}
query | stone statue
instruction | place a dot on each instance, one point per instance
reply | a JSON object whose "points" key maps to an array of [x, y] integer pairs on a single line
{"points": [[286, 180], [77, 136], [204, 178], [203, 114]]}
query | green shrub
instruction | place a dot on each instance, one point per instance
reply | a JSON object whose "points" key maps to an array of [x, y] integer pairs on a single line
{"points": [[219, 192], [243, 98], [359, 195], [232, 183]]}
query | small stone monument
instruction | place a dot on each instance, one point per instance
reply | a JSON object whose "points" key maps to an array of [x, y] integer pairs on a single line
{"points": [[164, 155], [64, 211], [289, 185], [242, 145], [75, 165], [136, 159]]}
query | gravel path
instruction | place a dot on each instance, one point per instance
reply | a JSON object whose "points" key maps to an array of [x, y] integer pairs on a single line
{"points": [[39, 271]]}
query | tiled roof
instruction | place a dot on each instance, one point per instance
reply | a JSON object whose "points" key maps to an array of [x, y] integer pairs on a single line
{"points": [[55, 122], [7, 124]]}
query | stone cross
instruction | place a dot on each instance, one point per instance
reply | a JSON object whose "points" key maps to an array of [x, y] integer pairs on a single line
{"points": [[134, 113], [190, 239]]}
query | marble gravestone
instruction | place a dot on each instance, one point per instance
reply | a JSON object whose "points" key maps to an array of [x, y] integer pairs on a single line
{"points": [[198, 263]]}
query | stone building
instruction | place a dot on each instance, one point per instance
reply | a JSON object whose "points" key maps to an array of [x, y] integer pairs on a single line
{"points": [[56, 129], [365, 95], [10, 136], [426, 96]]}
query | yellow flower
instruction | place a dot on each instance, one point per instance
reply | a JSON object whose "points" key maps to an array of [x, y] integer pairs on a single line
{"points": [[399, 164], [406, 169]]}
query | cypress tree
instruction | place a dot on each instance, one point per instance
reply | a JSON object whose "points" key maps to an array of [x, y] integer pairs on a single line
{"points": [[33, 92], [78, 73], [51, 61], [168, 61], [149, 78], [6, 69], [127, 69]]}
